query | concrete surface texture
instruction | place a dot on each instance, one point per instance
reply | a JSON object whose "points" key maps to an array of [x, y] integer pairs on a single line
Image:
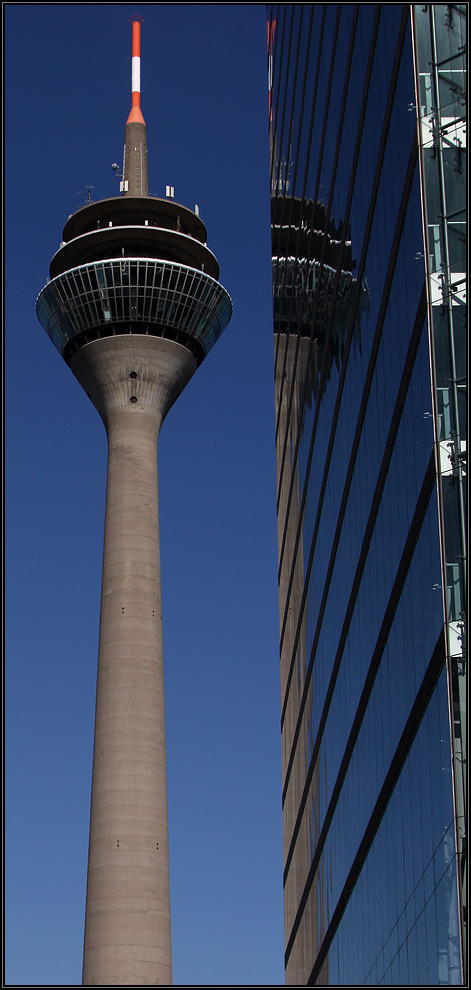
{"points": [[133, 381]]}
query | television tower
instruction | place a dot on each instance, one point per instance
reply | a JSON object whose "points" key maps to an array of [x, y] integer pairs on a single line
{"points": [[133, 306]]}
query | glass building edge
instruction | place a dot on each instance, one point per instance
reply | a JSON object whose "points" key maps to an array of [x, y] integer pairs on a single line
{"points": [[62, 327], [288, 392], [441, 116]]}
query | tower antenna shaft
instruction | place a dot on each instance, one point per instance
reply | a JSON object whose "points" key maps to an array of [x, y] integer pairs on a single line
{"points": [[136, 64], [135, 115]]}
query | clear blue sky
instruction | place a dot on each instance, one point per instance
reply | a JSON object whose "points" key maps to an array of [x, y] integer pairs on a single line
{"points": [[204, 99]]}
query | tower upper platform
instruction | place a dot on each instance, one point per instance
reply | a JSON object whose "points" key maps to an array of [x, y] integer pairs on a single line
{"points": [[142, 226], [134, 264]]}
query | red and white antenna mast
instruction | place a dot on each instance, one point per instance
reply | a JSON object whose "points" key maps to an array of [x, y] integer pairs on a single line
{"points": [[135, 115], [135, 181]]}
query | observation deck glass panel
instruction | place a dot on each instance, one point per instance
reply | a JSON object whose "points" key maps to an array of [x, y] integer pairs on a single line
{"points": [[111, 292]]}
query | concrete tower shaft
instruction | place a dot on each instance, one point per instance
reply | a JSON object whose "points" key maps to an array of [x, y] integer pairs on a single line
{"points": [[132, 380], [135, 180], [133, 306]]}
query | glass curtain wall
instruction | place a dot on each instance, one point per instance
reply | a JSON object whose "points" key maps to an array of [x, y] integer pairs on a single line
{"points": [[370, 874]]}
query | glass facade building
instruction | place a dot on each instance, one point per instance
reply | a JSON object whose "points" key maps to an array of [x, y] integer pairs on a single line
{"points": [[368, 153]]}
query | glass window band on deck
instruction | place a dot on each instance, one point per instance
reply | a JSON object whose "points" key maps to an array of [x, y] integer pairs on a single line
{"points": [[137, 291]]}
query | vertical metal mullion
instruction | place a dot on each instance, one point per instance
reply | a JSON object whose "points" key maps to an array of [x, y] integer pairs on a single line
{"points": [[318, 293], [277, 181], [358, 432], [346, 221], [324, 129], [373, 199], [444, 225], [275, 110], [283, 113], [276, 102], [311, 124], [275, 46], [285, 184], [290, 217], [459, 797]]}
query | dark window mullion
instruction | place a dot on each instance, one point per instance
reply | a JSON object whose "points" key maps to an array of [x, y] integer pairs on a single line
{"points": [[284, 189], [329, 331], [277, 182], [285, 97], [423, 500], [291, 202], [275, 105], [356, 441], [274, 183], [321, 153], [309, 143], [419, 707], [361, 270], [375, 506], [290, 198], [303, 96]]}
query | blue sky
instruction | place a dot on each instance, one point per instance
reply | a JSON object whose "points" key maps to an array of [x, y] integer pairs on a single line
{"points": [[204, 99]]}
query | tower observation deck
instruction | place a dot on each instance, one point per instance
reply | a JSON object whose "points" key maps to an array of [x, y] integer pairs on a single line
{"points": [[133, 305]]}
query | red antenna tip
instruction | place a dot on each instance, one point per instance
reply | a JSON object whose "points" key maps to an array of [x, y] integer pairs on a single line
{"points": [[136, 116]]}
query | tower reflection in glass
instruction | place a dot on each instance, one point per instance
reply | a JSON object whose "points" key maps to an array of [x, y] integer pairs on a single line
{"points": [[370, 865]]}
